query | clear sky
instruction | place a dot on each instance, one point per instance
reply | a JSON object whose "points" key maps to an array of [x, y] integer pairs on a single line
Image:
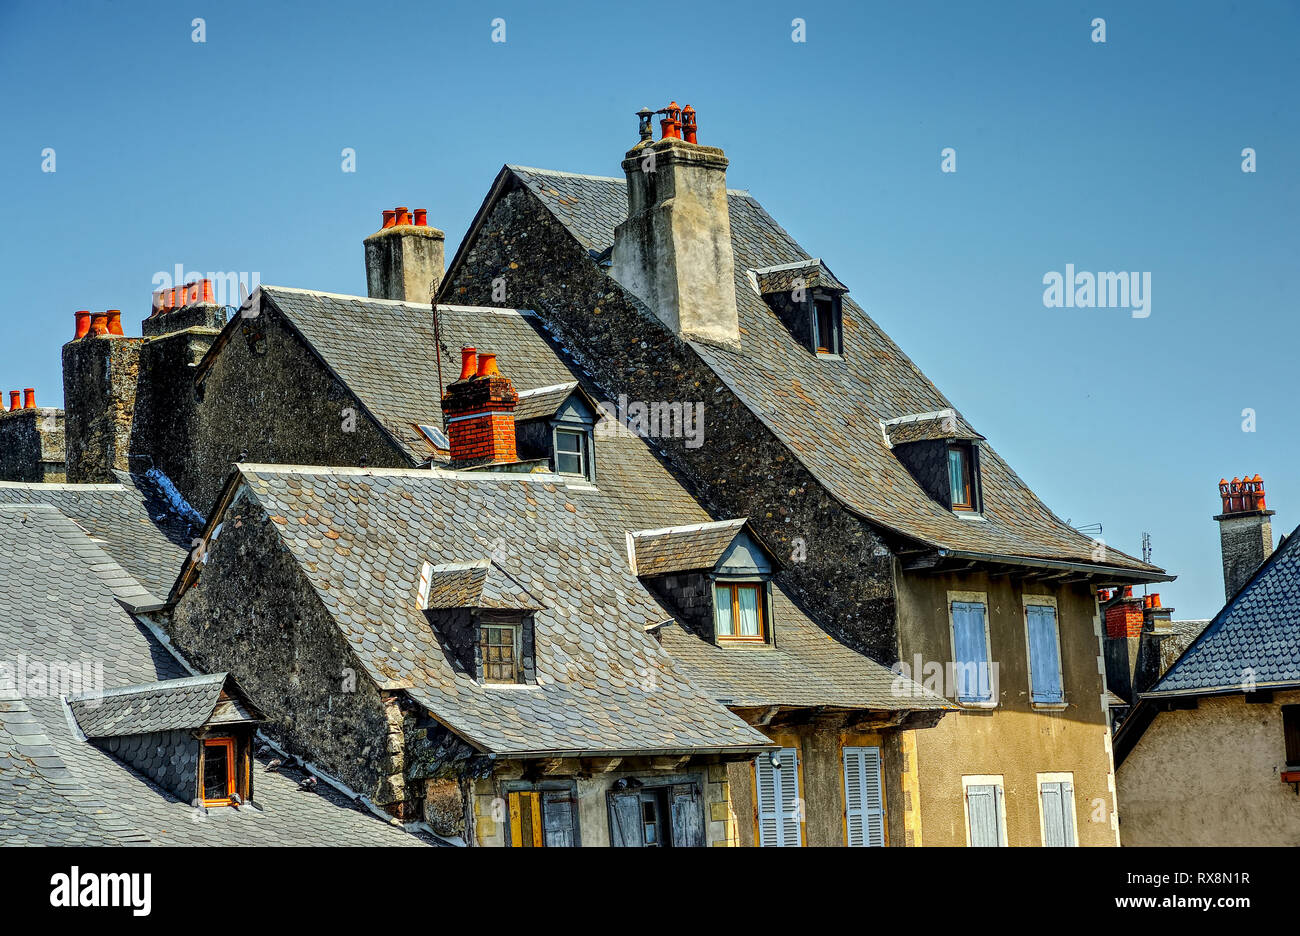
{"points": [[1124, 155]]}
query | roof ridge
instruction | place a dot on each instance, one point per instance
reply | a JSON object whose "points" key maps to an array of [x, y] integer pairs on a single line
{"points": [[181, 682], [442, 306], [692, 527]]}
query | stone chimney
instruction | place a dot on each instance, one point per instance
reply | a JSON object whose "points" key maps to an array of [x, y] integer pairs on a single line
{"points": [[479, 411], [31, 440], [404, 258], [674, 250], [1245, 531], [101, 369]]}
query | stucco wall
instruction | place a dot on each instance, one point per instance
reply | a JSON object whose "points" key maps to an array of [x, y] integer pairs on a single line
{"points": [[1210, 776], [1014, 740]]}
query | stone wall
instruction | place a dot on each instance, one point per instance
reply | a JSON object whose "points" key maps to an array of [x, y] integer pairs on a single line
{"points": [[741, 470], [100, 376], [32, 445], [253, 614]]}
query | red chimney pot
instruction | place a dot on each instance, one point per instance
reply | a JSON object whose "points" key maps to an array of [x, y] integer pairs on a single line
{"points": [[389, 217], [115, 322], [98, 324], [29, 398], [403, 215], [421, 217], [688, 124], [468, 363], [83, 324], [487, 365], [13, 400]]}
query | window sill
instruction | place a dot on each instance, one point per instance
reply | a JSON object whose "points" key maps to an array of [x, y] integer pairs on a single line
{"points": [[734, 643], [1049, 706], [970, 515], [978, 706], [828, 356]]}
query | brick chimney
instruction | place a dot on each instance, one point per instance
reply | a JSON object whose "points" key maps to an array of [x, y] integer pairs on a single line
{"points": [[1245, 531], [674, 250], [404, 258], [479, 411]]}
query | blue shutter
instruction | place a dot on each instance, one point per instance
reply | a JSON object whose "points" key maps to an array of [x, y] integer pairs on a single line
{"points": [[1044, 655], [864, 797], [1058, 814], [984, 808], [778, 800], [970, 652]]}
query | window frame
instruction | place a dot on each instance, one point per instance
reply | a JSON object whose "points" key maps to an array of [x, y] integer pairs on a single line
{"points": [[999, 804], [968, 477], [764, 629], [1291, 735], [583, 436], [1043, 601], [834, 347], [1065, 779], [232, 777], [516, 628], [980, 598]]}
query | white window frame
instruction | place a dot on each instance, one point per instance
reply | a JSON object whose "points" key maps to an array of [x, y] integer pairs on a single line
{"points": [[1039, 780], [1046, 601], [972, 597], [994, 780]]}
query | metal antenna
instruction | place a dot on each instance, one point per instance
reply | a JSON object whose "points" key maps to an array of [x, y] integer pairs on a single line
{"points": [[437, 348]]}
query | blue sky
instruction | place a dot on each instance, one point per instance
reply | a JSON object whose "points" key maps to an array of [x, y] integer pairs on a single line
{"points": [[1126, 155]]}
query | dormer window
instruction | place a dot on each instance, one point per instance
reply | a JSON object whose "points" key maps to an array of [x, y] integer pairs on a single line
{"points": [[739, 611], [826, 323], [219, 776], [959, 478], [558, 423]]}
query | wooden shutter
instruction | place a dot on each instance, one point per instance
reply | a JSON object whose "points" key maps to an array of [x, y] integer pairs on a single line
{"points": [[864, 797], [1291, 734], [1044, 655], [778, 800], [625, 820], [558, 807], [687, 816], [984, 809], [1058, 814], [970, 652], [525, 820]]}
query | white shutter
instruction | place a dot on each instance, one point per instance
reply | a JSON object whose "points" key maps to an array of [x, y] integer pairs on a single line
{"points": [[984, 810], [864, 797], [1058, 814], [778, 800]]}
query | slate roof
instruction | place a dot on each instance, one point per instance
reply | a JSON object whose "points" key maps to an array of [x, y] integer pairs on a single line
{"points": [[59, 593], [677, 549], [1182, 634], [783, 277], [603, 685], [827, 410], [169, 705], [543, 402], [926, 427], [383, 351], [132, 520], [1255, 638], [481, 584]]}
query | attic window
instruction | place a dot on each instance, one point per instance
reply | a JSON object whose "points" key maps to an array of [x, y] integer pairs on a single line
{"points": [[501, 652], [572, 449], [218, 776], [435, 437], [826, 323], [739, 611], [960, 486]]}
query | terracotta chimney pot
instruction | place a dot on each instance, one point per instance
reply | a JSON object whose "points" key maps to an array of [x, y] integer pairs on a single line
{"points": [[487, 365], [13, 400], [468, 363], [115, 322], [421, 217], [98, 324], [83, 324], [29, 398]]}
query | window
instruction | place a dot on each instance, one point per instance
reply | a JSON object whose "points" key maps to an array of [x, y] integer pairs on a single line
{"points": [[500, 646], [985, 812], [1044, 655], [542, 818], [972, 674], [826, 324], [571, 452], [1056, 804], [959, 478], [739, 611], [780, 810], [864, 803], [435, 437], [218, 778], [1291, 731], [661, 815]]}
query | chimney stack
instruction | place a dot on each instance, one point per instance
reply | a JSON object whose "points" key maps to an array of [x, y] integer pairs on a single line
{"points": [[674, 250], [479, 411], [1245, 531], [404, 258]]}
